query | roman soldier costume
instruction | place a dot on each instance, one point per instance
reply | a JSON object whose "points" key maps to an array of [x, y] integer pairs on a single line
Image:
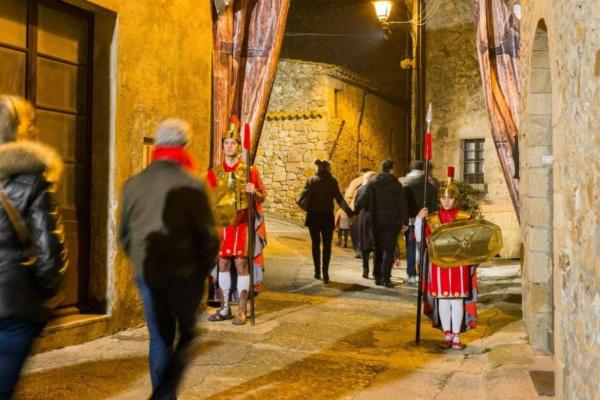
{"points": [[231, 209], [451, 295]]}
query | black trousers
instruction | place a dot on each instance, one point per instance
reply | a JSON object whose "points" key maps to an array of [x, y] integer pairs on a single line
{"points": [[365, 260], [320, 233], [385, 244]]}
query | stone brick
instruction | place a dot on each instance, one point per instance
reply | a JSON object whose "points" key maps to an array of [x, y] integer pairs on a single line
{"points": [[279, 174], [540, 183], [539, 267], [534, 156], [539, 104], [540, 298], [538, 239], [538, 212]]}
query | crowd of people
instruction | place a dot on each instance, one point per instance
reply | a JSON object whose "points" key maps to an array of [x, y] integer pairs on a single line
{"points": [[176, 236], [375, 209]]}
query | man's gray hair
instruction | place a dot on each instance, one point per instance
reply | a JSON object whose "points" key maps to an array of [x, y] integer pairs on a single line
{"points": [[172, 132]]}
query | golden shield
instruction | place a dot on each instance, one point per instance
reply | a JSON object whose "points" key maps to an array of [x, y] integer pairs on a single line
{"points": [[465, 242]]}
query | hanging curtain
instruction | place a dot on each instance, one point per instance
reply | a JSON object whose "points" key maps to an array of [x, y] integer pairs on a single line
{"points": [[247, 43], [498, 50]]}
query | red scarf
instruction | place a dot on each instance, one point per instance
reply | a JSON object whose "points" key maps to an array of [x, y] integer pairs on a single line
{"points": [[175, 154]]}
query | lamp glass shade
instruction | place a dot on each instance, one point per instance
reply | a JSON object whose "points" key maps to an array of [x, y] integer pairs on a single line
{"points": [[383, 9]]}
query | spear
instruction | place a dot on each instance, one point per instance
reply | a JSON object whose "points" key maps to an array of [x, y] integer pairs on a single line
{"points": [[250, 198], [422, 267]]}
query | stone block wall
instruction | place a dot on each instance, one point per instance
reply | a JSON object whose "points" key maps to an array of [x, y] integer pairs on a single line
{"points": [[560, 92], [454, 88], [315, 112]]}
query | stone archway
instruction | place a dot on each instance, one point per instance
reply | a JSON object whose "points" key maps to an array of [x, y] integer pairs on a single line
{"points": [[537, 197]]}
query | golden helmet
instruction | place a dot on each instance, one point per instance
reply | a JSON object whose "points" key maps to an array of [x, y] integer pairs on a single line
{"points": [[234, 130], [450, 188]]}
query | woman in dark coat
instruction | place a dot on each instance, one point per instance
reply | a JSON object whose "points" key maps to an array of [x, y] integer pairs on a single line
{"points": [[32, 263], [320, 190], [366, 243]]}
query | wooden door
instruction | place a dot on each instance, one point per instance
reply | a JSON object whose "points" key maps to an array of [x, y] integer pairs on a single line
{"points": [[45, 55]]}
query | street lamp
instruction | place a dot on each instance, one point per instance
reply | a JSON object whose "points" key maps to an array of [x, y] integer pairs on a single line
{"points": [[382, 10]]}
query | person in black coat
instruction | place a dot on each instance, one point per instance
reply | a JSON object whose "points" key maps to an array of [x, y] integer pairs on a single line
{"points": [[168, 232], [31, 270], [320, 190], [384, 199], [414, 188], [365, 241]]}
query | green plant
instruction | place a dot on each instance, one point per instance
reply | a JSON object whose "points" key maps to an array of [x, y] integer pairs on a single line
{"points": [[470, 198]]}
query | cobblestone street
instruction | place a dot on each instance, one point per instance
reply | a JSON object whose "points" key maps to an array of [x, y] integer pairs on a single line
{"points": [[347, 340]]}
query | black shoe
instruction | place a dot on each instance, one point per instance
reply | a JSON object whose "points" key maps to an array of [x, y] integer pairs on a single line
{"points": [[358, 256], [378, 282], [318, 276], [325, 278], [388, 284], [366, 273]]}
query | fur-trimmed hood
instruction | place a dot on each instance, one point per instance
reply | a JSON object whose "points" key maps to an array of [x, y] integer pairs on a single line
{"points": [[26, 157]]}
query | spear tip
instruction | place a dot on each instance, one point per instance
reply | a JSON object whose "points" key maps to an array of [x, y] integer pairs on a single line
{"points": [[429, 117]]}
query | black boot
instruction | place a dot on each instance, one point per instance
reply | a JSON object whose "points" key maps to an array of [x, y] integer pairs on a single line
{"points": [[366, 273], [317, 272], [326, 274]]}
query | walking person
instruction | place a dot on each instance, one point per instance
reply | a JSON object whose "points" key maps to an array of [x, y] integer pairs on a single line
{"points": [[320, 190], [366, 242], [350, 197], [414, 186], [384, 198], [167, 231], [342, 222], [32, 252]]}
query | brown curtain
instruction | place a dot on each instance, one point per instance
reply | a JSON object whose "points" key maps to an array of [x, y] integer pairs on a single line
{"points": [[247, 42], [498, 50]]}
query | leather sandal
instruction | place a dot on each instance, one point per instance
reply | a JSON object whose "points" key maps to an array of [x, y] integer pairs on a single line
{"points": [[216, 317]]}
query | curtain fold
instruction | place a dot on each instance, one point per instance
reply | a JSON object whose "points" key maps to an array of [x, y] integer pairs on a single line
{"points": [[498, 52], [247, 42]]}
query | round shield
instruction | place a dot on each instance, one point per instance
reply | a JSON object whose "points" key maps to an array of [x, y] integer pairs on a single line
{"points": [[466, 242]]}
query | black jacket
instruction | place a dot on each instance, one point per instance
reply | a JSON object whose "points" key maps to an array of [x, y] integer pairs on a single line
{"points": [[27, 172], [414, 187], [384, 199], [322, 190], [167, 226], [366, 240]]}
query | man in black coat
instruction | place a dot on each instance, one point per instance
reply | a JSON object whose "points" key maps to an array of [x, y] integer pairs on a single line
{"points": [[168, 233], [385, 200], [414, 188]]}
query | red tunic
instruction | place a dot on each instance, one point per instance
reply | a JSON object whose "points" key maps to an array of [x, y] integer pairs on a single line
{"points": [[453, 282], [234, 239]]}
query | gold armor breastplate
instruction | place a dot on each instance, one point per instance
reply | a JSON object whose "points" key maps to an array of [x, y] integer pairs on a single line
{"points": [[230, 194]]}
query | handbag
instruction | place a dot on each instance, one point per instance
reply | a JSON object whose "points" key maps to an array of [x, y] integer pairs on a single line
{"points": [[14, 216], [304, 197]]}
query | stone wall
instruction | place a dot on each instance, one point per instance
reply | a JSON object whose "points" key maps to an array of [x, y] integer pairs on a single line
{"points": [[309, 104], [152, 60], [565, 118], [455, 91]]}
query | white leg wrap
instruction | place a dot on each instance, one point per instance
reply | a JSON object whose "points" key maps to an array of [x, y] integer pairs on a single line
{"points": [[458, 308], [445, 313], [243, 283], [225, 285]]}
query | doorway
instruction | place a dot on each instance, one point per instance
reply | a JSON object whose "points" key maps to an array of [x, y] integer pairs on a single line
{"points": [[46, 57]]}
